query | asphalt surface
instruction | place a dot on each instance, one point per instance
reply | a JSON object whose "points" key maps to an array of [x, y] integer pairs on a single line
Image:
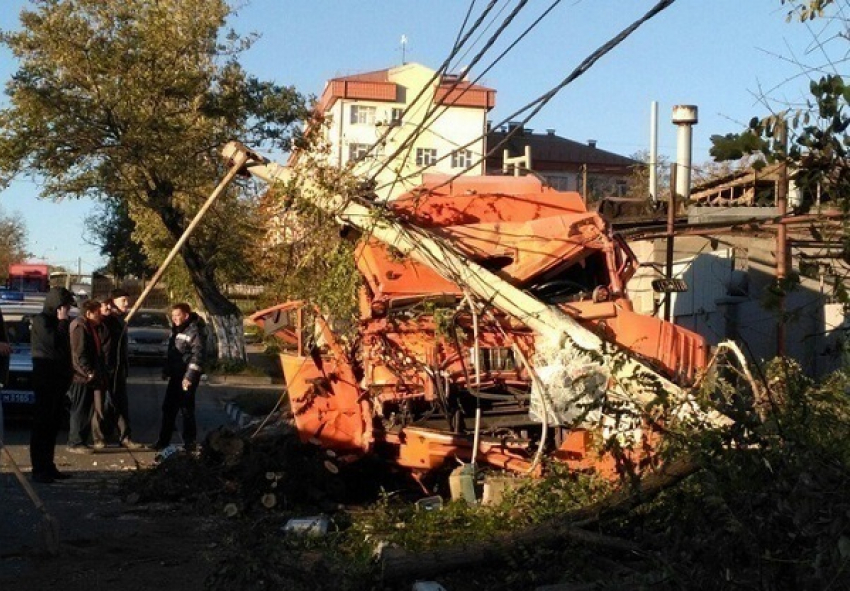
{"points": [[87, 506]]}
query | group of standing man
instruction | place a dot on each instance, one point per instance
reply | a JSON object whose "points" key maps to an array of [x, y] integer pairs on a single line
{"points": [[84, 363]]}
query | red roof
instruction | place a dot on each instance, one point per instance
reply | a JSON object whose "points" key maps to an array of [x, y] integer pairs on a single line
{"points": [[464, 94], [376, 86], [376, 76], [369, 86]]}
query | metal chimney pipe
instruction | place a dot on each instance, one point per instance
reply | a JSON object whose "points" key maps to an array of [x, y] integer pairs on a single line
{"points": [[653, 152], [684, 117]]}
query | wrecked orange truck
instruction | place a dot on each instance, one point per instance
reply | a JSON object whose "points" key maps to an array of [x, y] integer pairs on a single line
{"points": [[446, 362]]}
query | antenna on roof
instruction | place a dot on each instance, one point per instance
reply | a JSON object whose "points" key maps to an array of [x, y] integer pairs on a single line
{"points": [[403, 49]]}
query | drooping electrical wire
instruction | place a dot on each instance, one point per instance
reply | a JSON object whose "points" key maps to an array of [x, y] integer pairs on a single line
{"points": [[440, 71], [534, 107], [463, 91], [407, 144]]}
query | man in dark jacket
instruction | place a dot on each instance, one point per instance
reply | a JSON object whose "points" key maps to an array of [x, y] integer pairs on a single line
{"points": [[183, 369], [117, 364], [51, 377], [89, 374]]}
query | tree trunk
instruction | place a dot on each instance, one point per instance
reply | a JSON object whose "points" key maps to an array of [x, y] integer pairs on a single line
{"points": [[229, 335], [224, 316], [400, 565]]}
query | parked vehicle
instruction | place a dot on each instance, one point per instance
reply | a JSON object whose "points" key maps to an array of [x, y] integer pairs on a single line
{"points": [[147, 336], [28, 278], [17, 394]]}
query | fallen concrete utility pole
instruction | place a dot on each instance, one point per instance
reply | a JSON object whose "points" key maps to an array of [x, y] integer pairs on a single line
{"points": [[235, 167], [629, 378]]}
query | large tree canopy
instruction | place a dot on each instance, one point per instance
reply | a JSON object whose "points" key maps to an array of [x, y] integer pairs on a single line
{"points": [[129, 100], [112, 229]]}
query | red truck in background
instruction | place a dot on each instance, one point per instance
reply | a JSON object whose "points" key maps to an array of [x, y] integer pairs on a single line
{"points": [[28, 278]]}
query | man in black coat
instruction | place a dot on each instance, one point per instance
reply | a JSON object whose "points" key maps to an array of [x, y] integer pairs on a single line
{"points": [[183, 369], [89, 375], [51, 377], [117, 364]]}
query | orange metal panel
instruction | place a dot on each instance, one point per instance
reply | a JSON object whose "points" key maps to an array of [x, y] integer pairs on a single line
{"points": [[680, 352], [326, 408]]}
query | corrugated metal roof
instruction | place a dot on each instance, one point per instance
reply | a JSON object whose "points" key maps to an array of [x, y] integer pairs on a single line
{"points": [[746, 176]]}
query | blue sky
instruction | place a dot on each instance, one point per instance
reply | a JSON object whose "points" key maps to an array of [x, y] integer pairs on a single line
{"points": [[720, 55]]}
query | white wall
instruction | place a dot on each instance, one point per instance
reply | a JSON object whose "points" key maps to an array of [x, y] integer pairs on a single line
{"points": [[813, 325], [450, 128]]}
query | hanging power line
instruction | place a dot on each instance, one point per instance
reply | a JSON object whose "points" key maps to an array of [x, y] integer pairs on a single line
{"points": [[534, 107]]}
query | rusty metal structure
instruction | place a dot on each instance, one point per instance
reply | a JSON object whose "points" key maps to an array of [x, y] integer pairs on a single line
{"points": [[494, 324]]}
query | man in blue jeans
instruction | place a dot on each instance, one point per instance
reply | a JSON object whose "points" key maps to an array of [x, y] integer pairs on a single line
{"points": [[183, 369]]}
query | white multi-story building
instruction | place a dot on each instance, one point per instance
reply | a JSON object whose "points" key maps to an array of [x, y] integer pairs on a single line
{"points": [[394, 125]]}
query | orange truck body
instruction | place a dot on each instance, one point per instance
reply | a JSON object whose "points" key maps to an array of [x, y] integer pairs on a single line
{"points": [[409, 388]]}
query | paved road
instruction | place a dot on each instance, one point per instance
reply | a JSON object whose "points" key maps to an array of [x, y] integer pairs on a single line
{"points": [[86, 506]]}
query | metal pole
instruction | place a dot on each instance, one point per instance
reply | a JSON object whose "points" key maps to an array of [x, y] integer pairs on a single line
{"points": [[684, 117], [653, 153], [239, 161], [781, 235], [671, 228]]}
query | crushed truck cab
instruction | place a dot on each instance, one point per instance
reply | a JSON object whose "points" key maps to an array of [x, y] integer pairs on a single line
{"points": [[440, 368]]}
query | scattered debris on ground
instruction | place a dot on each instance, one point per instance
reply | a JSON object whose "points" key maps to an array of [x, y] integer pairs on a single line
{"points": [[760, 505]]}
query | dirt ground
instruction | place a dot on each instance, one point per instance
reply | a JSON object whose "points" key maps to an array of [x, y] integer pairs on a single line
{"points": [[104, 542]]}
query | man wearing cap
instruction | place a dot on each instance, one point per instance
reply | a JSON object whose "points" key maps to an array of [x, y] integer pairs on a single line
{"points": [[51, 377], [117, 364]]}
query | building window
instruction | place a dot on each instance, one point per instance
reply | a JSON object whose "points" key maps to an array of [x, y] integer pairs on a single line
{"points": [[622, 188], [395, 116], [462, 159], [361, 114], [426, 156], [357, 152]]}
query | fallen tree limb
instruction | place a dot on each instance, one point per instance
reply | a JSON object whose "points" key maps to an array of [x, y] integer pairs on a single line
{"points": [[399, 564], [626, 499]]}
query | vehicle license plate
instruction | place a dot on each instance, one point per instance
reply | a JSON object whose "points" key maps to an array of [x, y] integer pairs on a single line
{"points": [[17, 397]]}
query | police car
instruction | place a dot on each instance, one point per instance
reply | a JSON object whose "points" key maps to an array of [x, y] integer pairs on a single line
{"points": [[16, 394]]}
